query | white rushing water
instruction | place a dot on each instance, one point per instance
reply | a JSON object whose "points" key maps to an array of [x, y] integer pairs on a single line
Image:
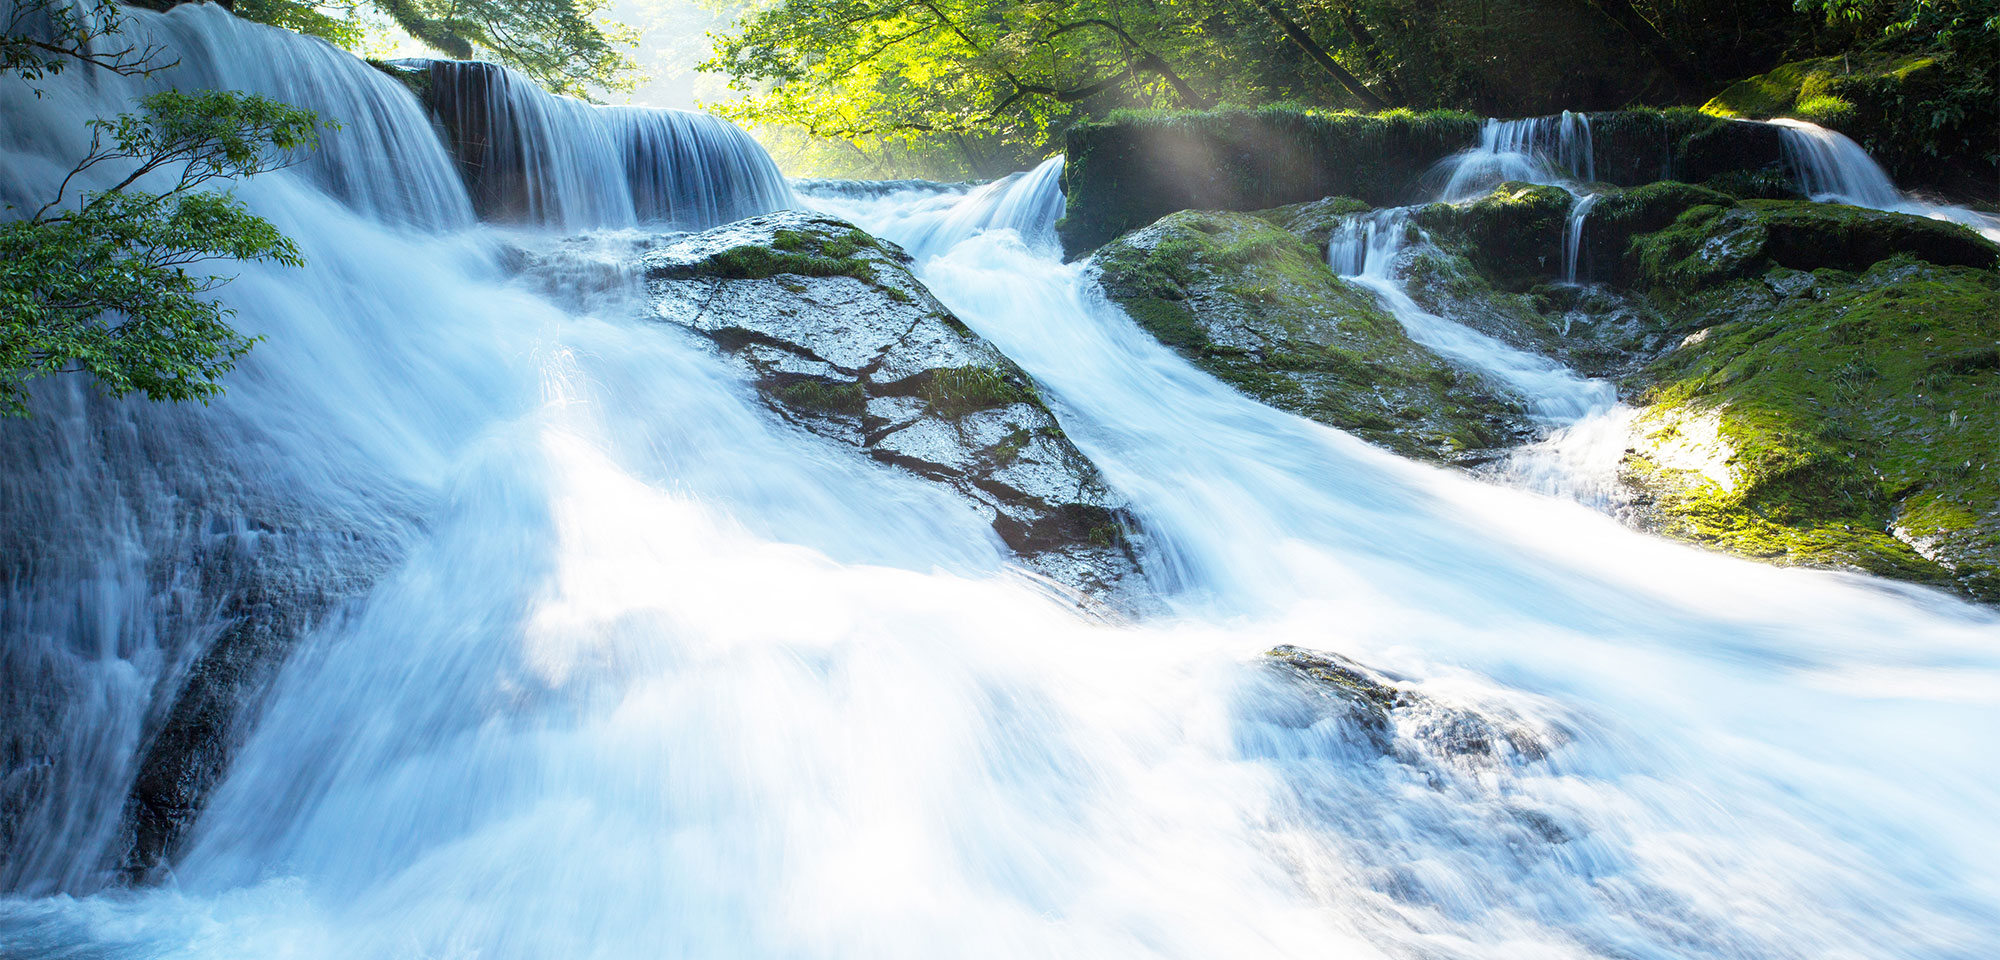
{"points": [[643, 671], [1832, 167], [1531, 150], [1584, 427]]}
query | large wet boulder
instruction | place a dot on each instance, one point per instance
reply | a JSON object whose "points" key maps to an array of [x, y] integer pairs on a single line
{"points": [[1257, 306], [841, 338], [1513, 234], [1387, 715]]}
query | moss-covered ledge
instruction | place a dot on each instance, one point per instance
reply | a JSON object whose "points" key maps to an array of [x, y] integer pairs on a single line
{"points": [[1257, 307], [1835, 419]]}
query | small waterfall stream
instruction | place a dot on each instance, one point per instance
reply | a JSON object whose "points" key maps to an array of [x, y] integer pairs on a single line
{"points": [[1831, 167]]}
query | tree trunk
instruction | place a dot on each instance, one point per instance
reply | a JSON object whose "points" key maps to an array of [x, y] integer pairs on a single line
{"points": [[1298, 35], [1365, 42]]}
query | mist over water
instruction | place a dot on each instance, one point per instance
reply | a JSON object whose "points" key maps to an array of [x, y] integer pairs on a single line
{"points": [[644, 671]]}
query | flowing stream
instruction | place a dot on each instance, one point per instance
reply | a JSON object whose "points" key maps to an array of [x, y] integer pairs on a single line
{"points": [[637, 669]]}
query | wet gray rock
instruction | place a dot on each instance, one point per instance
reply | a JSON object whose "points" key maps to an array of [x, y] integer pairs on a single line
{"points": [[1407, 725], [841, 339]]}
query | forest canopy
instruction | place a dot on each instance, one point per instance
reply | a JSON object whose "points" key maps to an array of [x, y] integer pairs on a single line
{"points": [[977, 87]]}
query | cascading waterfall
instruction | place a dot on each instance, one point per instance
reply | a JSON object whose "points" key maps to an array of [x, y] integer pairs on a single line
{"points": [[536, 158], [1586, 426], [380, 120], [1224, 478], [1526, 150], [1365, 249], [931, 220], [629, 667], [1831, 167]]}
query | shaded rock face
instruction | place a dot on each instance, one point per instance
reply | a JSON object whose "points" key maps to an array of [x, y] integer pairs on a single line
{"points": [[1120, 176], [842, 339], [1257, 307], [1123, 175], [150, 591]]}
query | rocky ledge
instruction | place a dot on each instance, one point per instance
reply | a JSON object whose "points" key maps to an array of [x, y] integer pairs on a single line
{"points": [[841, 339]]}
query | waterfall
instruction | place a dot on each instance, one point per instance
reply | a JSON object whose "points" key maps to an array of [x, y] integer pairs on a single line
{"points": [[1573, 235], [1833, 168], [1227, 478], [536, 158], [935, 218], [383, 161], [1534, 150], [1365, 250], [594, 657]]}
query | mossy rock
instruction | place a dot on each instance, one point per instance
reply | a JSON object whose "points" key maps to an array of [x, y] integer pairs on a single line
{"points": [[1836, 419], [1316, 220], [1514, 235], [1257, 307], [1709, 244], [830, 325]]}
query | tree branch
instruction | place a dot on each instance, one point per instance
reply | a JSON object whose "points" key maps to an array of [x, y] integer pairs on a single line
{"points": [[1318, 55]]}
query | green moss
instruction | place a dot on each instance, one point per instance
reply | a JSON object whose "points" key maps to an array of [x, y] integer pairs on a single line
{"points": [[1514, 234], [1009, 448], [417, 79], [956, 391], [752, 262], [1807, 89], [1867, 407], [835, 252], [1704, 246], [824, 396], [1258, 308]]}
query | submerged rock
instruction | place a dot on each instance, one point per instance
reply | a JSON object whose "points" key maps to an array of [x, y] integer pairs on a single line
{"points": [[1410, 726], [1258, 307], [842, 339], [132, 539]]}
